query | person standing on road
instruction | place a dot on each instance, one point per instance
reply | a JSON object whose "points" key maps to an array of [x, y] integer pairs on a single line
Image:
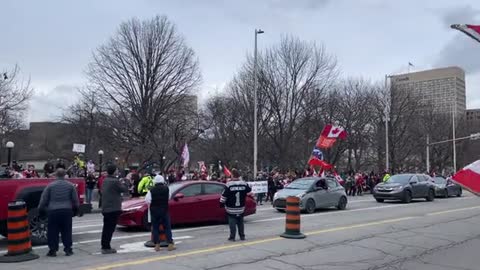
{"points": [[60, 201], [112, 190], [157, 199], [233, 199]]}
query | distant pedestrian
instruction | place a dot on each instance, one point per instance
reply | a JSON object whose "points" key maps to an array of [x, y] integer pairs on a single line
{"points": [[60, 201], [233, 199], [157, 198], [112, 190]]}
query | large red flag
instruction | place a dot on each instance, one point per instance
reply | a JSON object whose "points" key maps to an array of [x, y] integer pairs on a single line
{"points": [[329, 136], [472, 31], [469, 177]]}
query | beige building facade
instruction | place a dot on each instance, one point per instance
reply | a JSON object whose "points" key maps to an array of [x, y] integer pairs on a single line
{"points": [[443, 89]]}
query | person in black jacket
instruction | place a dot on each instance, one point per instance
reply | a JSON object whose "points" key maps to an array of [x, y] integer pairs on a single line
{"points": [[233, 199], [157, 198]]}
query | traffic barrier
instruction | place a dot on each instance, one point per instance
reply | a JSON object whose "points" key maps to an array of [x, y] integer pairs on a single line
{"points": [[19, 244], [292, 222], [162, 237]]}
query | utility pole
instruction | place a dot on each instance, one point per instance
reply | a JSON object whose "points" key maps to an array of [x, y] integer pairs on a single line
{"points": [[255, 106]]}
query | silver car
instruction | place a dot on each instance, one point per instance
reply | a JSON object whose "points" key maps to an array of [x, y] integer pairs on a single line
{"points": [[314, 193]]}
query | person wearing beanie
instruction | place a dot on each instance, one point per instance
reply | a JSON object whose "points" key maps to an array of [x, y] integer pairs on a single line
{"points": [[157, 198], [112, 190]]}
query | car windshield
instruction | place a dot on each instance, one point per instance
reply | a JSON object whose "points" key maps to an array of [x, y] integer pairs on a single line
{"points": [[399, 179], [174, 187], [303, 184], [439, 180]]}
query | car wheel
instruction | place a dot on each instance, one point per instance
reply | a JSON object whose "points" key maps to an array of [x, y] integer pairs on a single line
{"points": [[145, 224], [38, 227], [459, 193], [342, 203], [407, 197], [445, 195], [280, 210], [310, 206], [380, 200], [431, 195]]}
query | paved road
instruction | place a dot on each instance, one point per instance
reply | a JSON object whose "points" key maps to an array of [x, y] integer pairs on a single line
{"points": [[439, 235]]}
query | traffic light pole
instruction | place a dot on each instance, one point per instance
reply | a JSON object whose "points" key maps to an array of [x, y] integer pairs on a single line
{"points": [[474, 136]]}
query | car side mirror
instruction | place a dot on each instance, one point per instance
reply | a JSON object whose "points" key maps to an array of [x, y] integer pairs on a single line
{"points": [[413, 182], [178, 196]]}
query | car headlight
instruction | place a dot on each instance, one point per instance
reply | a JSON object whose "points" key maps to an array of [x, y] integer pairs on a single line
{"points": [[301, 195], [398, 188], [275, 196], [132, 208]]}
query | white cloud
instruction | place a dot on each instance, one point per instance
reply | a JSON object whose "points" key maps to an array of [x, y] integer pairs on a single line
{"points": [[49, 105]]}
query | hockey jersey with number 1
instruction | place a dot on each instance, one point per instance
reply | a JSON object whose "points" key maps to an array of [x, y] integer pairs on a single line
{"points": [[234, 196]]}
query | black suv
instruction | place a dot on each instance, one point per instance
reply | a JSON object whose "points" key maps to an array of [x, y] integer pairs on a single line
{"points": [[405, 187]]}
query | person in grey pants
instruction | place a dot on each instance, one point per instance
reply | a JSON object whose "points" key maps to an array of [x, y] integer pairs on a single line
{"points": [[60, 201], [112, 190]]}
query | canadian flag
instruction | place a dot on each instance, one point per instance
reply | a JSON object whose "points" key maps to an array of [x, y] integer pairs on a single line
{"points": [[469, 177], [331, 132], [472, 31], [329, 135]]}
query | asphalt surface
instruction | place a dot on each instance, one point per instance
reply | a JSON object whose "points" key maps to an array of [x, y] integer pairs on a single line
{"points": [[439, 235]]}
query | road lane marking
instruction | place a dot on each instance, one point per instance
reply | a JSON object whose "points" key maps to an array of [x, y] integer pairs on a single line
{"points": [[87, 232], [232, 246], [88, 226], [453, 210]]}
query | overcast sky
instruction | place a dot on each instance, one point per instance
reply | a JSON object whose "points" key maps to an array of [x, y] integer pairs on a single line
{"points": [[52, 41]]}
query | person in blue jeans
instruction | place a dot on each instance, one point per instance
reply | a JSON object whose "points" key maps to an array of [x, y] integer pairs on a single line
{"points": [[157, 199]]}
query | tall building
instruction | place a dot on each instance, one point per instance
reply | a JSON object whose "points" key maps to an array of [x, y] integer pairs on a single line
{"points": [[473, 119], [442, 88]]}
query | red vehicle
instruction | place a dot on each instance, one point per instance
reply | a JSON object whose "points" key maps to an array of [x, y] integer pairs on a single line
{"points": [[30, 190], [190, 202]]}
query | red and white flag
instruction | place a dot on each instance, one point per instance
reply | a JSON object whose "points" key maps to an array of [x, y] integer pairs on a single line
{"points": [[469, 177], [329, 136], [472, 31]]}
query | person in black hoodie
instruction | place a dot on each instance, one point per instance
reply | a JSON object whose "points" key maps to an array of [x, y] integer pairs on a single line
{"points": [[157, 198]]}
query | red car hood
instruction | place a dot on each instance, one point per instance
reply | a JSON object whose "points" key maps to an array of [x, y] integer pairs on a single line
{"points": [[133, 203]]}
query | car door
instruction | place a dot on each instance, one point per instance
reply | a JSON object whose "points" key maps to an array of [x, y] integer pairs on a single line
{"points": [[189, 208], [320, 194], [423, 186], [211, 201], [416, 188], [452, 188], [333, 193]]}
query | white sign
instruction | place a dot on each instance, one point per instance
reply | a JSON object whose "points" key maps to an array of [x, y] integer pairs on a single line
{"points": [[78, 148], [259, 186]]}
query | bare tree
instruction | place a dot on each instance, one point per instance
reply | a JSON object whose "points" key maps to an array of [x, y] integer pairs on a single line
{"points": [[14, 96], [141, 74]]}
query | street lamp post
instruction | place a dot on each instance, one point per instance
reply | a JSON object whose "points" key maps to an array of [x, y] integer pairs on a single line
{"points": [[9, 145], [255, 105], [100, 160]]}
